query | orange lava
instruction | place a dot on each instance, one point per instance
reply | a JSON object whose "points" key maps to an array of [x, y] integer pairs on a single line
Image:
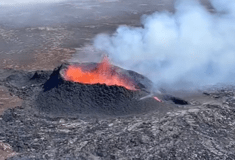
{"points": [[102, 74]]}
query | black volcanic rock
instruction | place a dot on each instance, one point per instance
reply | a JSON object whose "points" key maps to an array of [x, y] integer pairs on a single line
{"points": [[23, 84], [175, 100]]}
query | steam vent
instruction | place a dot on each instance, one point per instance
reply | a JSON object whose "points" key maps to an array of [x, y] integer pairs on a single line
{"points": [[95, 88]]}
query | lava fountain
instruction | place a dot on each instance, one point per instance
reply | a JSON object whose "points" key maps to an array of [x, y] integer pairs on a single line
{"points": [[104, 73]]}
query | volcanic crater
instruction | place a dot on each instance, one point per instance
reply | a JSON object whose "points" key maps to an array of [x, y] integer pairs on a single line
{"points": [[99, 89], [61, 96]]}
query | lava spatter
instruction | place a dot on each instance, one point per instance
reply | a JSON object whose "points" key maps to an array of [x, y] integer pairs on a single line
{"points": [[104, 73]]}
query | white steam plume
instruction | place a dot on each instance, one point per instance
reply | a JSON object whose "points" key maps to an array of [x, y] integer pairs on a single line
{"points": [[191, 47]]}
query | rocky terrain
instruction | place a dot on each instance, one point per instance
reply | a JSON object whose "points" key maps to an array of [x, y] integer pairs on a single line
{"points": [[203, 129], [198, 124]]}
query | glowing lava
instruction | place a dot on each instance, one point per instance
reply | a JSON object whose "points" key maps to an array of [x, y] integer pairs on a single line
{"points": [[103, 74], [157, 99]]}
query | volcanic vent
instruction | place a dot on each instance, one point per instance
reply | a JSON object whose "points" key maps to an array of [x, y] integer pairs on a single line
{"points": [[95, 88]]}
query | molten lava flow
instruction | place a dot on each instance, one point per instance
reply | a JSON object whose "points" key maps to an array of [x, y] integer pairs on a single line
{"points": [[157, 99], [103, 74]]}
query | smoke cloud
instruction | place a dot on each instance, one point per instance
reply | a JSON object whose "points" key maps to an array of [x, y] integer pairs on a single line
{"points": [[189, 48]]}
